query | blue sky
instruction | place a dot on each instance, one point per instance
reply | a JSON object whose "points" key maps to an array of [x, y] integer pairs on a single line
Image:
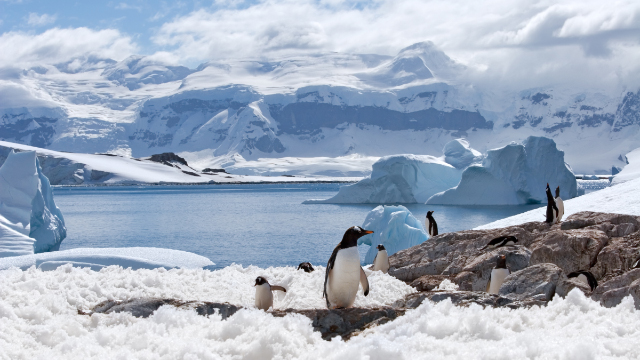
{"points": [[583, 40]]}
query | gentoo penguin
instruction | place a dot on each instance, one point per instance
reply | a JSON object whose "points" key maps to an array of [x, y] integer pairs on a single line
{"points": [[501, 241], [636, 264], [264, 297], [552, 208], [344, 272], [306, 266], [586, 277], [559, 204], [498, 274], [381, 261], [430, 224]]}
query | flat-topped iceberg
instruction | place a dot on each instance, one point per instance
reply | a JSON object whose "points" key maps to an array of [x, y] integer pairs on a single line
{"points": [[399, 179], [512, 175], [394, 227], [27, 208]]}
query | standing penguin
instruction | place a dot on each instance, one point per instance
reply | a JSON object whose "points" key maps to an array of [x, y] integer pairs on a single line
{"points": [[381, 261], [559, 204], [430, 224], [552, 208], [586, 277], [498, 274], [344, 271], [264, 297]]}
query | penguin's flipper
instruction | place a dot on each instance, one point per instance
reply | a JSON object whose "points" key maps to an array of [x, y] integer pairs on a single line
{"points": [[364, 282], [277, 287], [330, 264], [374, 259]]}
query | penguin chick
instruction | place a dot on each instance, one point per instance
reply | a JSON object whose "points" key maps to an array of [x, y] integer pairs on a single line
{"points": [[306, 266], [586, 277], [501, 241], [498, 274], [430, 224], [560, 205], [552, 208], [343, 272], [381, 261], [264, 297]]}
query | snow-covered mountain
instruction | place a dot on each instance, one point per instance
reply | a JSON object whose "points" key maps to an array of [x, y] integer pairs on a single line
{"points": [[328, 105]]}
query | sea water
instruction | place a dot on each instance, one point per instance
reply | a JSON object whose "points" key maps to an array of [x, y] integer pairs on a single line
{"points": [[250, 224]]}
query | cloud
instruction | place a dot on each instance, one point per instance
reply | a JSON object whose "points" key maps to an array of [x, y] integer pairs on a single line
{"points": [[59, 45], [40, 20]]}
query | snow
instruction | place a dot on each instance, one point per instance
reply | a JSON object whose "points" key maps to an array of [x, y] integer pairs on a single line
{"points": [[620, 199], [394, 227], [27, 208], [512, 175], [39, 315], [459, 154], [630, 171], [97, 258], [399, 179]]}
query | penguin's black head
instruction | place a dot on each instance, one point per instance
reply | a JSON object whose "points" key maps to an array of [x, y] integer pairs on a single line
{"points": [[260, 281], [502, 262], [558, 191], [352, 235], [381, 247], [306, 266], [429, 213]]}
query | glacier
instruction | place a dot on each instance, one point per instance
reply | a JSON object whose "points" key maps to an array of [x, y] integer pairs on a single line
{"points": [[399, 179], [394, 227], [27, 207], [513, 175]]}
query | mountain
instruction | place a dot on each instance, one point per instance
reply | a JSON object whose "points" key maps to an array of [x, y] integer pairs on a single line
{"points": [[324, 105]]}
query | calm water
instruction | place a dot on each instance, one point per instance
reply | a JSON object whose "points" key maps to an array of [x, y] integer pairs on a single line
{"points": [[263, 225]]}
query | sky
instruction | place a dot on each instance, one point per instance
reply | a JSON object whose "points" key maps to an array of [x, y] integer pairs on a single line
{"points": [[516, 41]]}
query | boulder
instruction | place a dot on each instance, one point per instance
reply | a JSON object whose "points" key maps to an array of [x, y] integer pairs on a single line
{"points": [[611, 292], [475, 275], [464, 298], [565, 285], [536, 282], [428, 282], [617, 257], [571, 250]]}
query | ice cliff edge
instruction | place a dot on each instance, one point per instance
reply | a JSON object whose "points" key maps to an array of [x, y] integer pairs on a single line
{"points": [[27, 208]]}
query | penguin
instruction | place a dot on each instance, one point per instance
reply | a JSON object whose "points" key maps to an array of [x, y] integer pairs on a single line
{"points": [[636, 264], [306, 266], [430, 224], [552, 208], [501, 241], [498, 274], [264, 297], [559, 204], [381, 261], [586, 277], [344, 271]]}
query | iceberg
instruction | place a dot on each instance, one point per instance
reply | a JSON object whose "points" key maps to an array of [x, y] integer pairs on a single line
{"points": [[459, 154], [27, 208], [513, 175], [399, 179], [394, 227]]}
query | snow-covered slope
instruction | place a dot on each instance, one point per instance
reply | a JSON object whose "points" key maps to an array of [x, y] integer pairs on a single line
{"points": [[325, 105], [631, 170]]}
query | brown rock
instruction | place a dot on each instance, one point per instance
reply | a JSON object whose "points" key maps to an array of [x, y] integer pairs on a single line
{"points": [[565, 285], [428, 282], [611, 292], [475, 275], [536, 282], [617, 257], [571, 250]]}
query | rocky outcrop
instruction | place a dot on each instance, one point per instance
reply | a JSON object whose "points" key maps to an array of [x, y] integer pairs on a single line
{"points": [[605, 244], [168, 158]]}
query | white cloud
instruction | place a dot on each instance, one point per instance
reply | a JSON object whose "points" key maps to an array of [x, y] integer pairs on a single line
{"points": [[58, 45], [40, 20]]}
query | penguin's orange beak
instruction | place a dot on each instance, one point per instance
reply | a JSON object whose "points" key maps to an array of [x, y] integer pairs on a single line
{"points": [[367, 231]]}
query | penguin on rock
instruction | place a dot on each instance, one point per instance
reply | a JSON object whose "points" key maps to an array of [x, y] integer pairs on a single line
{"points": [[559, 204], [344, 273], [430, 224], [264, 297], [501, 241], [552, 208], [381, 261], [498, 274]]}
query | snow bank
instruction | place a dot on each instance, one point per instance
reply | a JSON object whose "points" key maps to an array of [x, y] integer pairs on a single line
{"points": [[394, 227], [459, 154], [97, 258], [620, 199], [512, 175], [27, 207], [399, 179], [39, 315], [631, 170]]}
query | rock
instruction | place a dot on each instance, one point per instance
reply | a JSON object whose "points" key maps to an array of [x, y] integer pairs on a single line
{"points": [[464, 298], [617, 257], [428, 282], [146, 306], [571, 250], [565, 285], [536, 282], [475, 275], [611, 292], [168, 158]]}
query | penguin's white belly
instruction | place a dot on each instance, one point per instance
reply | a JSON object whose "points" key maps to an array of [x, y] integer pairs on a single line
{"points": [[382, 262], [264, 297], [344, 278], [583, 278], [497, 278], [560, 205]]}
